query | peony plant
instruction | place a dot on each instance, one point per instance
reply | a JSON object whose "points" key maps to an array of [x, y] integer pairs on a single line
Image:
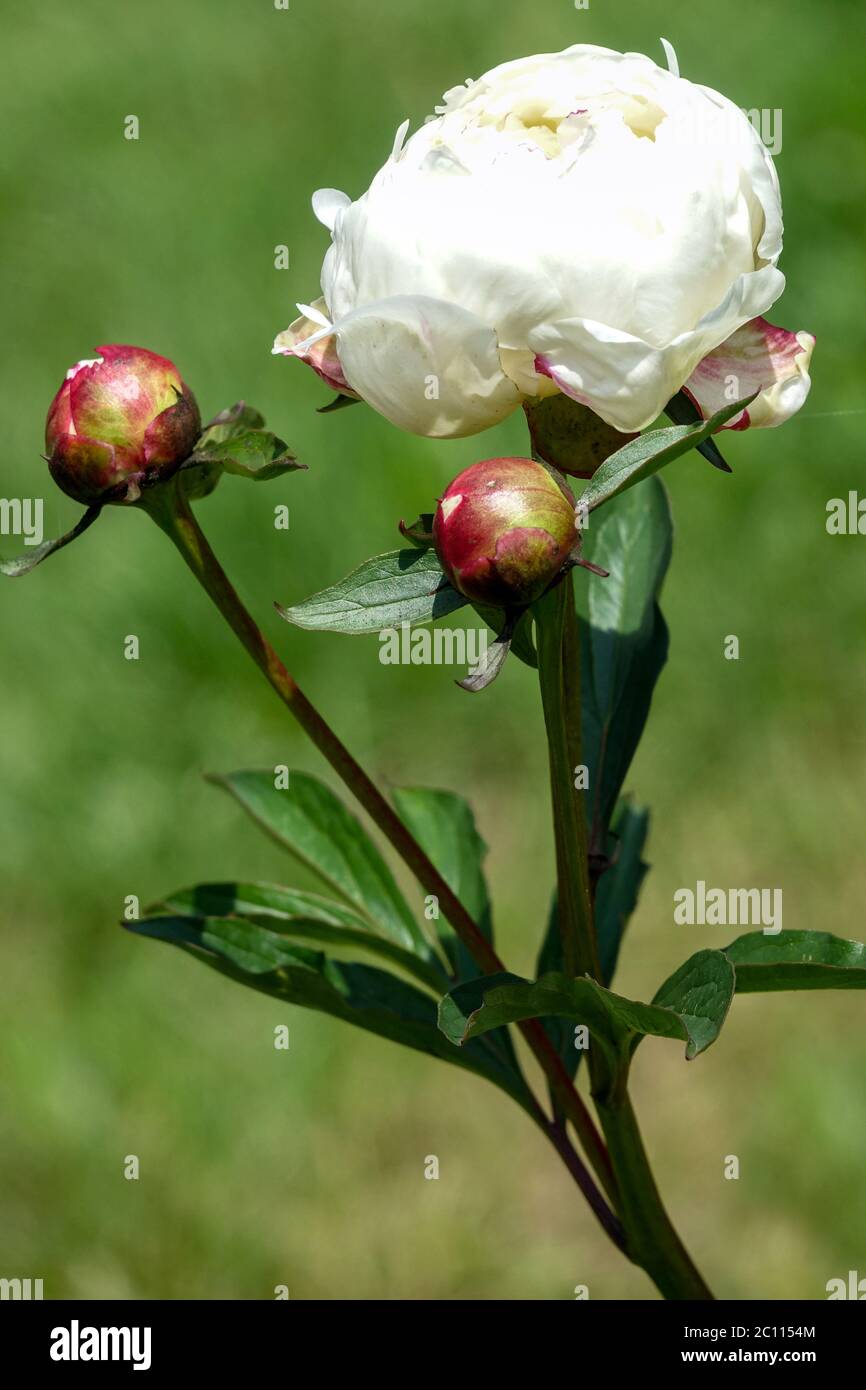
{"points": [[593, 238]]}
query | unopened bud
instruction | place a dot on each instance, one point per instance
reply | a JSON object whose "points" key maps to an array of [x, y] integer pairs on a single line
{"points": [[118, 424], [503, 531]]}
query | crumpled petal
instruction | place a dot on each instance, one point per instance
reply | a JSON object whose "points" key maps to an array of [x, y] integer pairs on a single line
{"points": [[306, 339], [757, 357], [428, 366], [625, 379]]}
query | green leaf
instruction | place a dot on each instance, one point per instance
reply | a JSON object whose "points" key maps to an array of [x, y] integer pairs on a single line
{"points": [[699, 994], [624, 640], [683, 411], [258, 454], [235, 441], [234, 420], [23, 564], [796, 960], [338, 403], [299, 916], [618, 887], [444, 826], [650, 452], [692, 1007], [308, 820], [404, 586], [360, 994]]}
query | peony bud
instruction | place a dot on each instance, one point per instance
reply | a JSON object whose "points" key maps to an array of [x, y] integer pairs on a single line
{"points": [[503, 531], [118, 424]]}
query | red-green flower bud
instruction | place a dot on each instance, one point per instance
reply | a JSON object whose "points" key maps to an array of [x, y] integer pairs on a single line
{"points": [[118, 424], [503, 531]]}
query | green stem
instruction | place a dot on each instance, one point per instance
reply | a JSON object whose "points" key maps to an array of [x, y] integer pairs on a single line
{"points": [[651, 1240], [559, 677], [170, 509]]}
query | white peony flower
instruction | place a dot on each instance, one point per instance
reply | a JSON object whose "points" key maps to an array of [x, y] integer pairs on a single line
{"points": [[583, 222]]}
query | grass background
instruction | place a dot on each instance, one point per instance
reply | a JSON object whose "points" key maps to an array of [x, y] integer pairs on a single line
{"points": [[306, 1168]]}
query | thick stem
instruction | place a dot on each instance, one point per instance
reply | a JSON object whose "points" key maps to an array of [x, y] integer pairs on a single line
{"points": [[559, 677], [651, 1240], [170, 509]]}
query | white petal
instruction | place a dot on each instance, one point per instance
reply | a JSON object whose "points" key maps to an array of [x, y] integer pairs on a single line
{"points": [[429, 367], [327, 202], [757, 357], [625, 379], [402, 131], [670, 57]]}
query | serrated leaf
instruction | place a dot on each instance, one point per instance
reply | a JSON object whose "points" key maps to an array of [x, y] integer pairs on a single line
{"points": [[796, 960], [20, 565], [404, 586], [649, 453], [624, 640], [308, 820], [696, 1003], [359, 994], [298, 916]]}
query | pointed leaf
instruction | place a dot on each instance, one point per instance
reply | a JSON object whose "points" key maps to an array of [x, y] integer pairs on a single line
{"points": [[257, 454], [360, 994], [700, 994], [696, 1003], [797, 960], [308, 820], [298, 916], [618, 887], [624, 640], [649, 453], [683, 411], [404, 586], [235, 419], [235, 441], [444, 826], [23, 564], [338, 403]]}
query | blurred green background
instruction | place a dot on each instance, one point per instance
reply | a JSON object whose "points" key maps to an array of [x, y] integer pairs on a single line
{"points": [[305, 1168]]}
